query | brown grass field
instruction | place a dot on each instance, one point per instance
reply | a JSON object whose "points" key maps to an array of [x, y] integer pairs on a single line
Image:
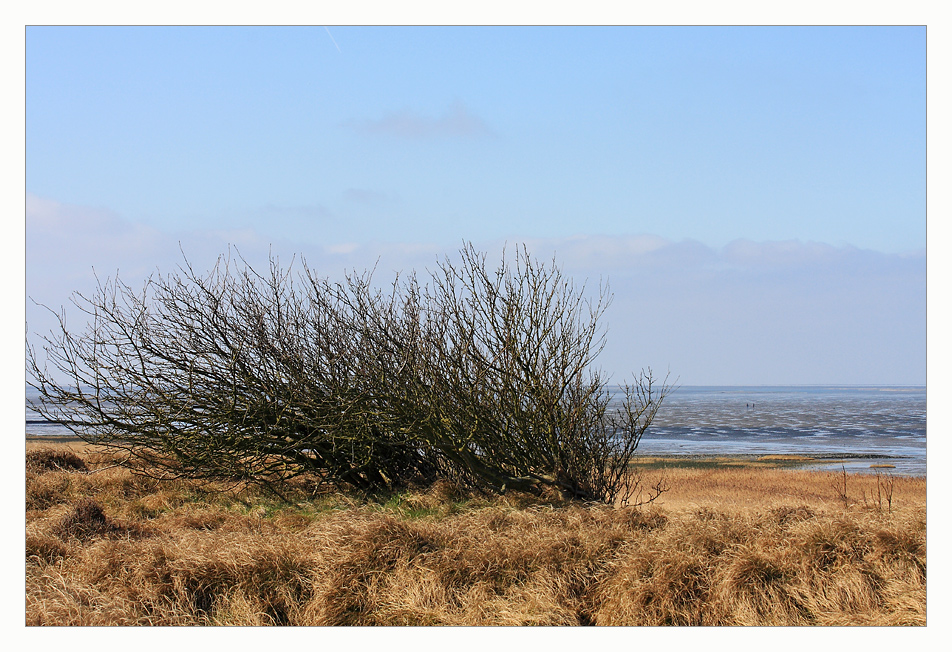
{"points": [[727, 544]]}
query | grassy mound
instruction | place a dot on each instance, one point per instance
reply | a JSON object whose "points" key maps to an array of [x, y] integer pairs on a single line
{"points": [[54, 459]]}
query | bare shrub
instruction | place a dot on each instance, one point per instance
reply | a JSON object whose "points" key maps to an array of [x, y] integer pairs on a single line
{"points": [[885, 485], [838, 483], [481, 377]]}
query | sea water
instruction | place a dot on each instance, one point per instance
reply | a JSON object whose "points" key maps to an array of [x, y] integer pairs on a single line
{"points": [[861, 426], [36, 424]]}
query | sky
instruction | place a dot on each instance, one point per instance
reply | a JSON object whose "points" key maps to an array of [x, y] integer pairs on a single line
{"points": [[755, 197]]}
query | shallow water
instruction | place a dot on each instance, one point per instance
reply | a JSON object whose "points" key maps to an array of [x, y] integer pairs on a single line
{"points": [[868, 425]]}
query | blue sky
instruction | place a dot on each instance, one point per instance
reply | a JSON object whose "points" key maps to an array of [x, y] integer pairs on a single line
{"points": [[756, 197]]}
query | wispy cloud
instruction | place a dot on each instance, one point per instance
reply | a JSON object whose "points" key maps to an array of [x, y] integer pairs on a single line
{"points": [[68, 240], [754, 312], [456, 121], [786, 253], [305, 211], [747, 313], [600, 254], [638, 253], [364, 196], [67, 246]]}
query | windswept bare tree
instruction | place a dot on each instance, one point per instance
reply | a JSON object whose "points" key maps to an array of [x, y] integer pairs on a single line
{"points": [[485, 377], [506, 388]]}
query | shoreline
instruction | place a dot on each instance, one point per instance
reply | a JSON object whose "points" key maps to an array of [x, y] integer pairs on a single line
{"points": [[823, 462]]}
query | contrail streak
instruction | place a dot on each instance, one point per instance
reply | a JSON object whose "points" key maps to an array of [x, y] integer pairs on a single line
{"points": [[332, 38]]}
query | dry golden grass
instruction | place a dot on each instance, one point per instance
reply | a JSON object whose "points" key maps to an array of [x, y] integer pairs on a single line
{"points": [[725, 546], [746, 488]]}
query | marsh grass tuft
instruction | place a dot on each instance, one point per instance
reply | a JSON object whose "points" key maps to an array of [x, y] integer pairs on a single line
{"points": [[51, 459], [85, 520]]}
